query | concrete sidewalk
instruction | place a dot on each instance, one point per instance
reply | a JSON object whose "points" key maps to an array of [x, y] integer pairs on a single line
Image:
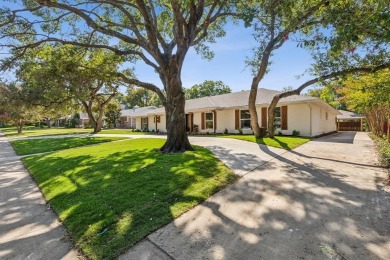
{"points": [[29, 229], [323, 200]]}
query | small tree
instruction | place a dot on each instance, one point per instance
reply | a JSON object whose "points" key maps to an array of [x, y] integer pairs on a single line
{"points": [[112, 113], [18, 111]]}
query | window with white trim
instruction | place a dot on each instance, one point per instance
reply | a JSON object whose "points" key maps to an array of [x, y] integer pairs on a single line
{"points": [[245, 119], [209, 120], [278, 119]]}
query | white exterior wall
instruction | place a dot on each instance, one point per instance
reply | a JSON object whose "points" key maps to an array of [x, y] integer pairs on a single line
{"points": [[226, 120], [138, 123], [321, 125], [298, 118], [162, 126]]}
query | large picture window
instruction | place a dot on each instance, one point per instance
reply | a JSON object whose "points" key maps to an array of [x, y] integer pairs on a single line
{"points": [[278, 119], [209, 120], [245, 119]]}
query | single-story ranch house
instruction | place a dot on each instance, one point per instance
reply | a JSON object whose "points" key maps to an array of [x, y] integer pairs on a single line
{"points": [[308, 115]]}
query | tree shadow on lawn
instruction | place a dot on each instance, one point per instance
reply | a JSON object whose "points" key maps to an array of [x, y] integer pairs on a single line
{"points": [[297, 210], [109, 203], [284, 145]]}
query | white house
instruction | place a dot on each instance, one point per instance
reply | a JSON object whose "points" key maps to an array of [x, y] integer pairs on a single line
{"points": [[308, 115]]}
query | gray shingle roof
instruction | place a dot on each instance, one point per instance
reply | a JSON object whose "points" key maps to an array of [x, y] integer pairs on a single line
{"points": [[139, 111], [230, 100], [349, 115]]}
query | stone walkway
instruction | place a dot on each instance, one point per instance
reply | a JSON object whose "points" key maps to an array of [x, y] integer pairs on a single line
{"points": [[29, 229]]}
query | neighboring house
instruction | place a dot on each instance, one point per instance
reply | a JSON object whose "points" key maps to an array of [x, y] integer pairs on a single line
{"points": [[349, 121], [129, 117], [84, 120], [311, 116]]}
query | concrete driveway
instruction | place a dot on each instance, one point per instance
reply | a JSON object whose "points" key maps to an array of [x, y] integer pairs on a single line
{"points": [[323, 200]]}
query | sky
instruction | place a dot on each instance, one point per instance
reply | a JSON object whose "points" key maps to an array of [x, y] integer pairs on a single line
{"points": [[228, 64]]}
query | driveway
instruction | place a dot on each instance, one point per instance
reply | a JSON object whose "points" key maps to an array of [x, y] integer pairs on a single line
{"points": [[323, 200]]}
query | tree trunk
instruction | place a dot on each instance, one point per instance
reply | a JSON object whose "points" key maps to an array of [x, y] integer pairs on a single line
{"points": [[99, 121], [271, 116], [271, 121], [177, 139], [48, 123], [252, 110], [20, 126], [88, 108]]}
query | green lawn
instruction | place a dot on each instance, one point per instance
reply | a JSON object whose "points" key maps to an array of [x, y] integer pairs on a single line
{"points": [[37, 131], [32, 146], [284, 142], [123, 132], [112, 195]]}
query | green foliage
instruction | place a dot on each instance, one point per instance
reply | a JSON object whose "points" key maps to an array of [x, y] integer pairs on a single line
{"points": [[364, 92], [33, 146], [112, 195], [141, 97], [16, 107], [383, 147], [206, 89], [330, 94], [296, 133]]}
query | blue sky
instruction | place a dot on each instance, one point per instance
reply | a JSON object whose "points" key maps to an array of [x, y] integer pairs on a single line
{"points": [[229, 65]]}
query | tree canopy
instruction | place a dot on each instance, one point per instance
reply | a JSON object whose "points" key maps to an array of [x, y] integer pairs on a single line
{"points": [[206, 89], [159, 33]]}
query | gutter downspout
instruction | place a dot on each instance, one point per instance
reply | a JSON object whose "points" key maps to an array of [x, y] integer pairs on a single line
{"points": [[311, 120]]}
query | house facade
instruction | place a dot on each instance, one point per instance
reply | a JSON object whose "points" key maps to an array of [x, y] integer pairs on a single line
{"points": [[229, 112]]}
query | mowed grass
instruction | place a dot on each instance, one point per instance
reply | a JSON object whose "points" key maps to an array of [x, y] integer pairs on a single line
{"points": [[284, 142], [30, 131], [37, 131], [112, 195], [123, 132], [32, 146]]}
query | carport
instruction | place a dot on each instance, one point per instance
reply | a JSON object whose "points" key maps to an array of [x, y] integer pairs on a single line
{"points": [[349, 121]]}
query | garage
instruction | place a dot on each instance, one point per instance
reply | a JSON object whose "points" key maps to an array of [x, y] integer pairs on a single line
{"points": [[349, 121]]}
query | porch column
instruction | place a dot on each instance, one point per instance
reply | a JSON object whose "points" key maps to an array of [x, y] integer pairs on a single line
{"points": [[361, 124]]}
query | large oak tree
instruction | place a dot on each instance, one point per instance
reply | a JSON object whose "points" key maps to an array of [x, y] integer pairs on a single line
{"points": [[158, 33]]}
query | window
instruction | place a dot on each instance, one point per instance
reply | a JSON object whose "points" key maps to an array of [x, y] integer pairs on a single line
{"points": [[144, 123], [245, 119], [209, 120], [326, 115], [278, 121]]}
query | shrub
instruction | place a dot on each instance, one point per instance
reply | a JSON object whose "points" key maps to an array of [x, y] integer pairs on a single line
{"points": [[239, 131], [226, 131], [280, 133], [296, 133], [383, 148]]}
